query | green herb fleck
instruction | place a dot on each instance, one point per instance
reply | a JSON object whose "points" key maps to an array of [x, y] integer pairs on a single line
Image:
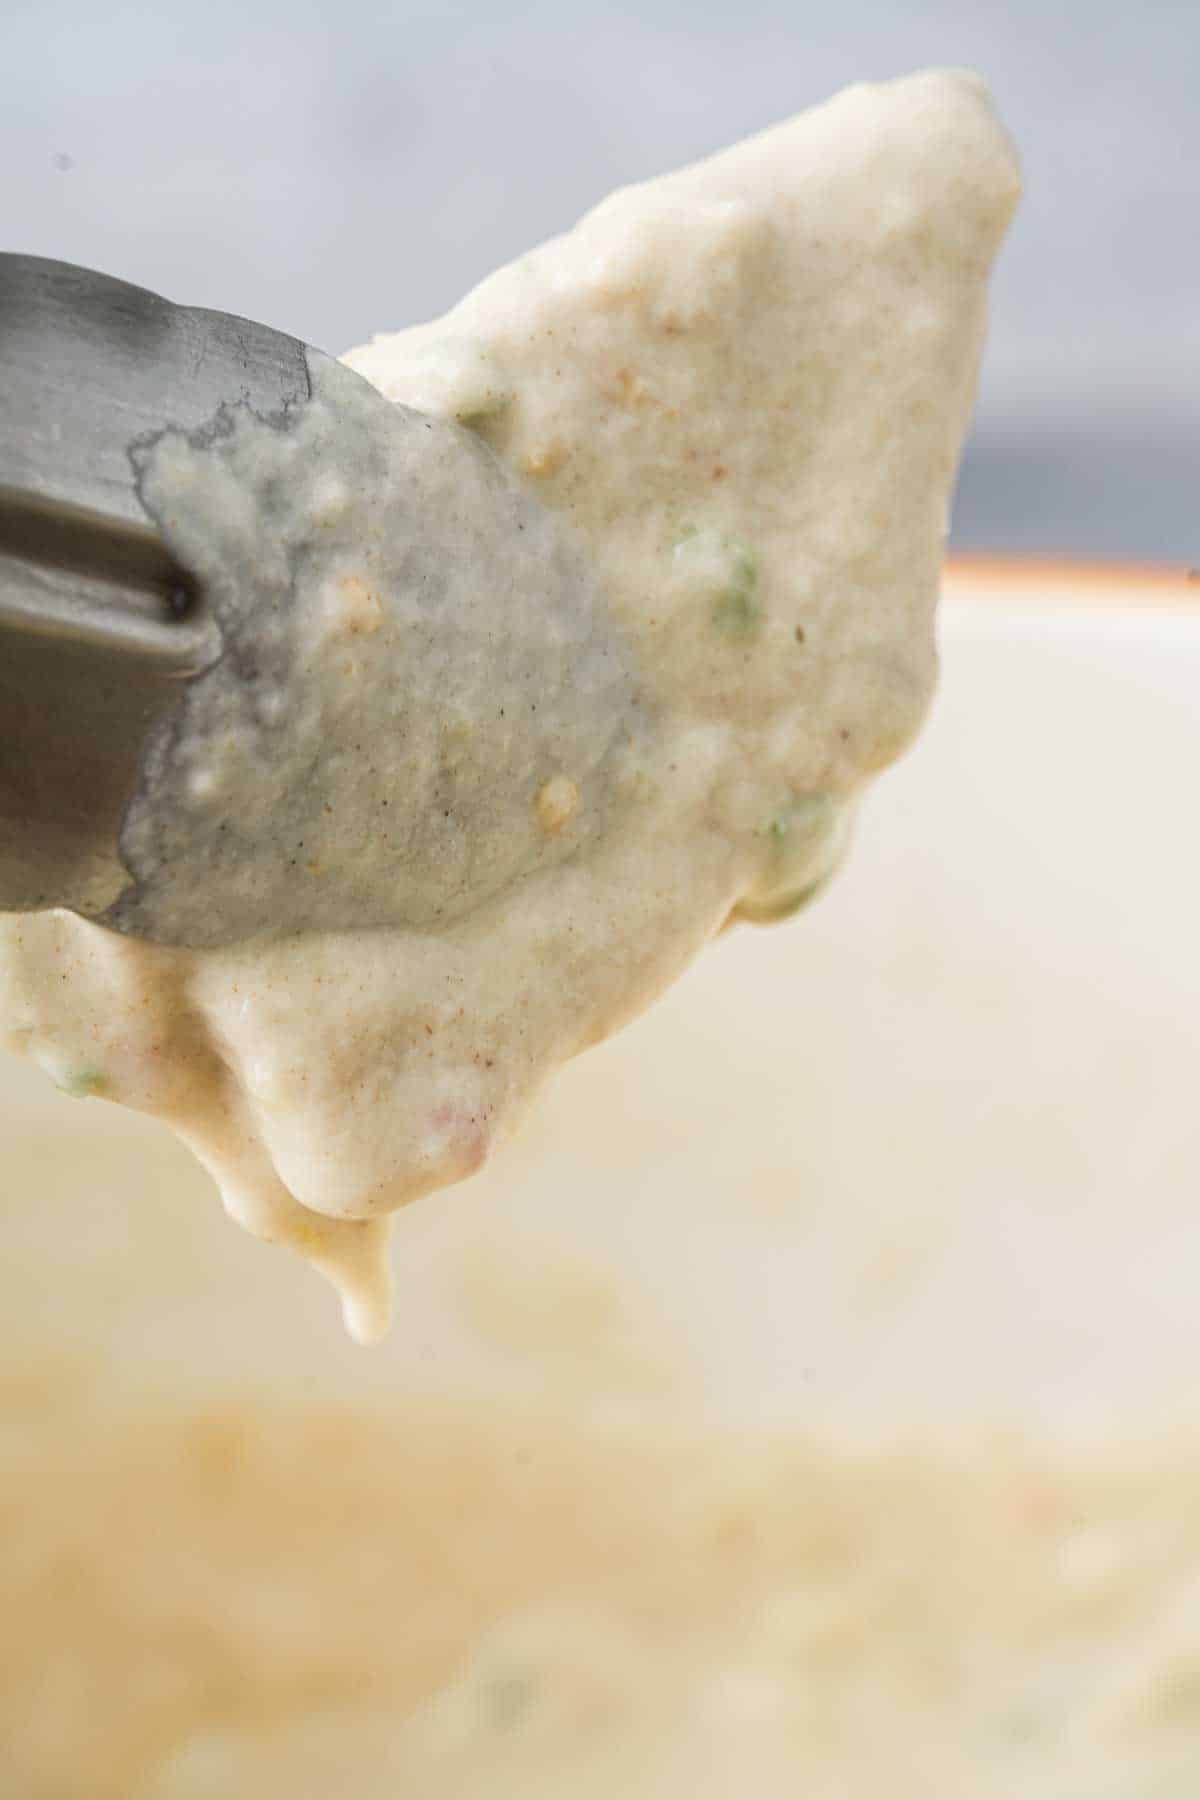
{"points": [[507, 1698], [83, 1082], [812, 816], [726, 568], [738, 611], [805, 840]]}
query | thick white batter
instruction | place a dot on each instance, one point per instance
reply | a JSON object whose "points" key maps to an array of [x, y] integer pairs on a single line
{"points": [[733, 399], [484, 1603]]}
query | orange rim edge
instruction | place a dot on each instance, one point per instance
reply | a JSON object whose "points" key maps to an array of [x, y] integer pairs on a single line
{"points": [[1074, 577]]}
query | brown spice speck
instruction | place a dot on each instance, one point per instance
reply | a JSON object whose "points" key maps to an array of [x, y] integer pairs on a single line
{"points": [[544, 459], [555, 802]]}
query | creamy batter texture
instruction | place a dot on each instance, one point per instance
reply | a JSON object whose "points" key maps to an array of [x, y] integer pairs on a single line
{"points": [[483, 1603], [727, 408], [419, 658]]}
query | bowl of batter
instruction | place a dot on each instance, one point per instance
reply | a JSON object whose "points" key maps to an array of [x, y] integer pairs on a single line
{"points": [[796, 1398]]}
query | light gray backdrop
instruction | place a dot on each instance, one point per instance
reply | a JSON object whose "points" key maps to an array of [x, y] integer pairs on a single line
{"points": [[341, 168]]}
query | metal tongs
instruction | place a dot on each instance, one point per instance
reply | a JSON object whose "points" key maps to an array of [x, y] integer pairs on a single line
{"points": [[98, 624]]}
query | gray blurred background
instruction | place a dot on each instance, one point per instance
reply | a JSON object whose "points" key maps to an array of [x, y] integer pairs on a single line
{"points": [[348, 167]]}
